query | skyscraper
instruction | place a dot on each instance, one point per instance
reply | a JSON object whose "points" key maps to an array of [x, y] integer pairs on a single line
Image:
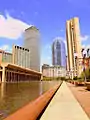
{"points": [[58, 52], [74, 46], [32, 42]]}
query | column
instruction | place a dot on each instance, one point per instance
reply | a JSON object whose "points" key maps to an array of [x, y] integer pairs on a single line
{"points": [[0, 77], [6, 76], [3, 75]]}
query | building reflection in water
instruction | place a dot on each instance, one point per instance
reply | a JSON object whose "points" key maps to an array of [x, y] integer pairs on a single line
{"points": [[41, 88], [3, 90]]}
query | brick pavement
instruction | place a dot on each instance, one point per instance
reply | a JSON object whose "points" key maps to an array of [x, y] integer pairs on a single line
{"points": [[82, 95]]}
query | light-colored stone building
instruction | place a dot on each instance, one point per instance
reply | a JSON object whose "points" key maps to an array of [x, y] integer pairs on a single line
{"points": [[32, 42], [21, 56], [5, 56], [74, 47], [53, 71]]}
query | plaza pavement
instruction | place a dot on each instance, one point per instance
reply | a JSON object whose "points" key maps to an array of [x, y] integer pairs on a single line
{"points": [[64, 106]]}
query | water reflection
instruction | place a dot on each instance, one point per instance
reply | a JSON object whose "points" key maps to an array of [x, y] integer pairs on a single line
{"points": [[3, 90], [41, 90], [15, 95]]}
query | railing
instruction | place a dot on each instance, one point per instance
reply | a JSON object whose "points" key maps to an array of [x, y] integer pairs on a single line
{"points": [[34, 109]]}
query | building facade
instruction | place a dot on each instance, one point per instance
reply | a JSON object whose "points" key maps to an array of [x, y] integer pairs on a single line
{"points": [[85, 52], [74, 47], [13, 73], [32, 42], [58, 52], [53, 71], [86, 57], [21, 56], [5, 56]]}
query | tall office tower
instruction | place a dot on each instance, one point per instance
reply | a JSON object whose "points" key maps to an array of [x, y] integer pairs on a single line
{"points": [[74, 47], [32, 42], [58, 53]]}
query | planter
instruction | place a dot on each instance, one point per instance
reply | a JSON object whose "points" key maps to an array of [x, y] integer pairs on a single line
{"points": [[87, 85], [76, 83], [72, 82], [81, 83], [69, 81]]}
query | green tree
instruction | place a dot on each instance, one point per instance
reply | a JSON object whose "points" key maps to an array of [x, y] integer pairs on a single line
{"points": [[87, 73], [83, 75]]}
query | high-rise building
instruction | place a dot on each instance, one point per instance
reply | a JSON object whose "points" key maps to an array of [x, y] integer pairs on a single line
{"points": [[21, 56], [58, 52], [74, 47], [32, 42]]}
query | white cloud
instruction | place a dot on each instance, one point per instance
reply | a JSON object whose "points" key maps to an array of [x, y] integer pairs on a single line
{"points": [[11, 28], [6, 48], [85, 37]]}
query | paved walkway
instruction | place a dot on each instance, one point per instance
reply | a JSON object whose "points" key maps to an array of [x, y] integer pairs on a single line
{"points": [[64, 106]]}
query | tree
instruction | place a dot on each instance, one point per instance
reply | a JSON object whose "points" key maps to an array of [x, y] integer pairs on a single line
{"points": [[87, 73], [83, 75]]}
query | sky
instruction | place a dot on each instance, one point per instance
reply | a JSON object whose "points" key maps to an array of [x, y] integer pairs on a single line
{"points": [[49, 16]]}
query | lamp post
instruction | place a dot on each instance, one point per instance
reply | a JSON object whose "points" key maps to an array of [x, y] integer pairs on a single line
{"points": [[75, 64], [84, 56]]}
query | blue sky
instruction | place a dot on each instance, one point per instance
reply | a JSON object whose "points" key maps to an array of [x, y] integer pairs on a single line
{"points": [[48, 15]]}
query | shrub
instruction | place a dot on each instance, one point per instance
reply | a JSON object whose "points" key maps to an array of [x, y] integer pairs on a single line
{"points": [[82, 75], [62, 78], [75, 78]]}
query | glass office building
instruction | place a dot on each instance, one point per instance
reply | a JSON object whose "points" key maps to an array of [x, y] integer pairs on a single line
{"points": [[58, 52]]}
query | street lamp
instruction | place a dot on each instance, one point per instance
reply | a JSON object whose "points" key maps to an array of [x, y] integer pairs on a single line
{"points": [[75, 63], [84, 56]]}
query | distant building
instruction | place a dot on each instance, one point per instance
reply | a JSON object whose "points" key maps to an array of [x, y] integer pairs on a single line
{"points": [[85, 52], [21, 56], [74, 47], [86, 62], [88, 52], [86, 57], [45, 65], [58, 53], [53, 71], [5, 56], [32, 42]]}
